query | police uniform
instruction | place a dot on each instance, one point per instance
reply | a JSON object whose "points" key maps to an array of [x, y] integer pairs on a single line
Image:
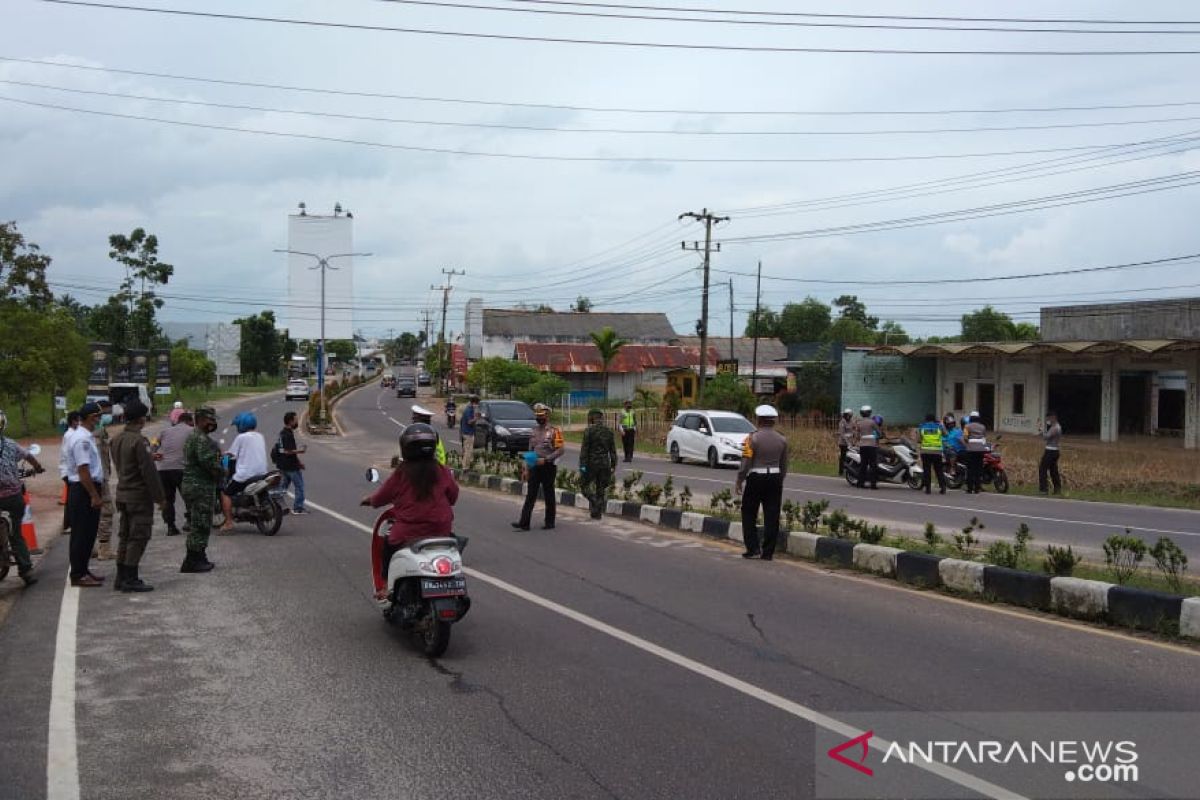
{"points": [[867, 434], [764, 466], [139, 490], [933, 440], [628, 428], [201, 470], [546, 441], [597, 461], [845, 437]]}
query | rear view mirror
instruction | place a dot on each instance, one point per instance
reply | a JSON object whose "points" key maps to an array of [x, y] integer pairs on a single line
{"points": [[34, 449], [373, 475]]}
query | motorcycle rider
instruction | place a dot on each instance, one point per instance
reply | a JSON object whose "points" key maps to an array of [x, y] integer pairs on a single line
{"points": [[249, 453], [933, 441], [421, 493], [845, 437], [451, 410], [12, 498], [867, 435], [975, 434], [423, 416]]}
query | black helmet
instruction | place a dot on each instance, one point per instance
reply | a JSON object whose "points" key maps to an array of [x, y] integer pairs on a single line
{"points": [[419, 441]]}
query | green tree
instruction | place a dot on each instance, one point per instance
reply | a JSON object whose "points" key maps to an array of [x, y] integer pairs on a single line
{"points": [[727, 392], [22, 270], [988, 325], [138, 253], [496, 375], [804, 322], [608, 344], [548, 389], [40, 350], [1026, 332], [261, 348], [582, 305], [762, 322], [404, 346], [891, 332], [344, 350], [190, 368], [850, 331], [850, 307]]}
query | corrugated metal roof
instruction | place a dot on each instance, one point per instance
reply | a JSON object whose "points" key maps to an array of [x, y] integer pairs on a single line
{"points": [[520, 324], [969, 349], [581, 358], [743, 348]]}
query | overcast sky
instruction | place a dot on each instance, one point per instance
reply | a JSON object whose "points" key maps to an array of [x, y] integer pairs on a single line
{"points": [[546, 231]]}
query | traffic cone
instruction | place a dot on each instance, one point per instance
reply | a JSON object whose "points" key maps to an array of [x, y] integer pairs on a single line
{"points": [[28, 530], [62, 498]]}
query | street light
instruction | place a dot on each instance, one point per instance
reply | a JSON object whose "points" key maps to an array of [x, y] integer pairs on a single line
{"points": [[322, 264]]}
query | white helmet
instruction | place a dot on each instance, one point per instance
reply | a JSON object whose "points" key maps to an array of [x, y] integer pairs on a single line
{"points": [[766, 411], [178, 404], [847, 411], [422, 410], [865, 410]]}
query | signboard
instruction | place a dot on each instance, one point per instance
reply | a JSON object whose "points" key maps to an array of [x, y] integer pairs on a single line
{"points": [[139, 366], [60, 402], [162, 371], [307, 279], [727, 366], [123, 372], [99, 370]]}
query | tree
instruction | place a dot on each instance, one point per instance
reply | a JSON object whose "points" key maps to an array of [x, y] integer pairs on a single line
{"points": [[22, 270], [852, 308], [404, 346], [1026, 332], [891, 332], [548, 388], [261, 350], [850, 331], [344, 350], [804, 322], [727, 392], [988, 325], [762, 322], [138, 253], [190, 368], [608, 344], [496, 375], [582, 305], [40, 350]]}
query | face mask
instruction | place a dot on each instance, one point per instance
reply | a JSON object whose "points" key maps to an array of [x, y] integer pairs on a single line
{"points": [[105, 419]]}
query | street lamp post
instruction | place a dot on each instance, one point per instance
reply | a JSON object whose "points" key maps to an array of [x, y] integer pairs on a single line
{"points": [[322, 264]]}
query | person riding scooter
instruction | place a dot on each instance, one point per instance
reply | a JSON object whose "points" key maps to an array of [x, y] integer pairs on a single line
{"points": [[421, 493], [451, 413]]}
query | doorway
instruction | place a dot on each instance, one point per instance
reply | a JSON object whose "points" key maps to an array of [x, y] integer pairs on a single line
{"points": [[1076, 400], [1133, 409], [985, 404], [1171, 404]]}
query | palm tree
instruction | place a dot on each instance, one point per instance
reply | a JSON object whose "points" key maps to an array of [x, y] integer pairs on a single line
{"points": [[608, 344]]}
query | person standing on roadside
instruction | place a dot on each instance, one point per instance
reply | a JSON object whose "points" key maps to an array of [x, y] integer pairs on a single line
{"points": [[289, 462], [764, 466], [201, 471], [466, 431], [976, 435], [108, 508], [867, 434], [597, 461], [139, 490], [933, 441], [845, 437], [12, 498], [546, 445], [64, 451], [168, 458], [628, 430], [85, 473], [1048, 466]]}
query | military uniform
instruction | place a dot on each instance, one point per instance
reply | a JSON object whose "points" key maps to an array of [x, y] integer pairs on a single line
{"points": [[139, 490], [201, 470], [764, 466], [597, 461], [107, 508]]}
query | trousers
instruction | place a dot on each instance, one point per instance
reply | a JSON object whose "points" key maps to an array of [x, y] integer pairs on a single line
{"points": [[133, 532], [107, 511], [199, 501], [974, 460], [15, 506], [595, 485], [1048, 468], [85, 522], [295, 479], [932, 463], [540, 477], [172, 481], [868, 458], [628, 438], [765, 491]]}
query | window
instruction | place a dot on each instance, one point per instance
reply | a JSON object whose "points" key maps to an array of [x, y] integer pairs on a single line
{"points": [[958, 397], [1018, 398], [687, 387], [691, 422]]}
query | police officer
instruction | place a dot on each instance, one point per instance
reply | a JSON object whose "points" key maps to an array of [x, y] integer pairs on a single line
{"points": [[597, 461], [1048, 466], [466, 431], [201, 471], [546, 443], [933, 440], [139, 490], [867, 433], [764, 466], [425, 416], [976, 437], [845, 437], [628, 429]]}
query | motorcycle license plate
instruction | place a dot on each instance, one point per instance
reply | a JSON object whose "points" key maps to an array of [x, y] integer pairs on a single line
{"points": [[443, 587]]}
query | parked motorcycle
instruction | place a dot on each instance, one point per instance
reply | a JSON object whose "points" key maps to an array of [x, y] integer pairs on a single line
{"points": [[901, 465], [994, 473], [7, 524], [426, 591]]}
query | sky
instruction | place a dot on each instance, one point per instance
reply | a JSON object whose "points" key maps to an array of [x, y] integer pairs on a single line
{"points": [[627, 139]]}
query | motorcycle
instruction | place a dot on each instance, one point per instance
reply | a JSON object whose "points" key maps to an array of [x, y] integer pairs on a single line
{"points": [[7, 524], [901, 466], [258, 503], [425, 591], [993, 474], [451, 415]]}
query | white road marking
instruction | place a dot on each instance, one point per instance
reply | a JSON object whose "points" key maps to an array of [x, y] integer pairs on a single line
{"points": [[779, 702], [62, 750]]}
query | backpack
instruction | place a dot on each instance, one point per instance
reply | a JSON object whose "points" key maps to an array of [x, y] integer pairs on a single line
{"points": [[277, 451]]}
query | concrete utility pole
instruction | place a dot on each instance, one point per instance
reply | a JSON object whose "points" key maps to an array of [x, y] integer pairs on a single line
{"points": [[709, 220], [732, 354], [425, 327], [757, 323], [443, 356]]}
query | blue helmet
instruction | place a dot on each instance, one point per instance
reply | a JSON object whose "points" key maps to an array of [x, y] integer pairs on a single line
{"points": [[246, 421]]}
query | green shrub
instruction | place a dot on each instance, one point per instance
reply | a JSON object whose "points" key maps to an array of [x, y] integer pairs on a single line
{"points": [[1060, 561], [932, 537], [1002, 554], [838, 523], [650, 493], [811, 516], [1171, 561], [1123, 554], [630, 480], [685, 499]]}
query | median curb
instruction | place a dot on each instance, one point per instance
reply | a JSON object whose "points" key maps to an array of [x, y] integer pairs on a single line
{"points": [[1077, 598]]}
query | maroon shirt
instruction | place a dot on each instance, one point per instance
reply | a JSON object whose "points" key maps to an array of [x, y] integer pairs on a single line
{"points": [[414, 518]]}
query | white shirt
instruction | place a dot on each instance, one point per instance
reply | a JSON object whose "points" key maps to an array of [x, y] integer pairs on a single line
{"points": [[250, 450], [81, 451]]}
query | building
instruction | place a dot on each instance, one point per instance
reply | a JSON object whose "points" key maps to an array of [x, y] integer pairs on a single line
{"points": [[491, 332], [635, 366], [766, 364]]}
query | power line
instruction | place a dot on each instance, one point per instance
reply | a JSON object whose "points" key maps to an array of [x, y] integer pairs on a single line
{"points": [[595, 109], [689, 46]]}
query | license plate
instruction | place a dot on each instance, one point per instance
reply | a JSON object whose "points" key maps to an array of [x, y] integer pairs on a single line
{"points": [[443, 587]]}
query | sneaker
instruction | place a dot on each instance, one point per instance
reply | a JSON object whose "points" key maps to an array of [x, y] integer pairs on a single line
{"points": [[518, 526], [85, 581], [299, 510], [28, 577]]}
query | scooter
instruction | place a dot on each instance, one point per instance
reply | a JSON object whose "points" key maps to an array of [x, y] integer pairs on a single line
{"points": [[258, 503], [900, 467], [451, 415], [424, 591], [993, 470], [8, 524]]}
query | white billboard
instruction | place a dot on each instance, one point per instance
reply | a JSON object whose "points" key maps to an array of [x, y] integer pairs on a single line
{"points": [[321, 236]]}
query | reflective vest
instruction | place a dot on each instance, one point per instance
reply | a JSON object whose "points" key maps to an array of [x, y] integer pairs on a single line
{"points": [[627, 421], [931, 437]]}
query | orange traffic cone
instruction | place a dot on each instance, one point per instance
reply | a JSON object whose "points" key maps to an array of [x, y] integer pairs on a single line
{"points": [[62, 498], [28, 530]]}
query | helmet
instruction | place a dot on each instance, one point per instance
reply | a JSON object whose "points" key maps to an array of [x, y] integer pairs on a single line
{"points": [[865, 411], [973, 414], [135, 410], [178, 404], [540, 409], [246, 421], [766, 412], [421, 411], [877, 419], [847, 412], [205, 411], [419, 441]]}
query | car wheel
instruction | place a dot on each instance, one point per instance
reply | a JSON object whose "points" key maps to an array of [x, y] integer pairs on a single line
{"points": [[675, 457], [713, 460]]}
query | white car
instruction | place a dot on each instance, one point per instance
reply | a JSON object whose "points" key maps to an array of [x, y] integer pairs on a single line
{"points": [[296, 390], [714, 437]]}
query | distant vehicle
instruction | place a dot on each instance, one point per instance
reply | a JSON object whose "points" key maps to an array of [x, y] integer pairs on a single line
{"points": [[423, 379], [388, 382], [504, 425], [119, 394], [406, 386], [714, 437], [296, 389]]}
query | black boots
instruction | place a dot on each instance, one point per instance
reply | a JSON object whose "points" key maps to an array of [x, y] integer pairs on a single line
{"points": [[128, 580], [196, 561]]}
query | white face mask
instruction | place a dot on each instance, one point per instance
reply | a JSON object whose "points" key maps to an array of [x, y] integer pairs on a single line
{"points": [[105, 420]]}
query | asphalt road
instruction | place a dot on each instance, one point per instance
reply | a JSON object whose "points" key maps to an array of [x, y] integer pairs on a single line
{"points": [[600, 660]]}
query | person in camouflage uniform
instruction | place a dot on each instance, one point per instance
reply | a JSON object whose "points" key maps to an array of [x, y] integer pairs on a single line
{"points": [[201, 471], [104, 552], [597, 461]]}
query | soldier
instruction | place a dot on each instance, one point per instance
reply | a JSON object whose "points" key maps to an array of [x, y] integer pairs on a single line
{"points": [[107, 507], [597, 461], [546, 444], [139, 490], [845, 437], [201, 471], [764, 466]]}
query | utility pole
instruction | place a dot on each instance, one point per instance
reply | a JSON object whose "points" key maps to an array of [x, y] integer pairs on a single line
{"points": [[757, 323], [425, 326], [709, 220], [732, 355], [442, 356]]}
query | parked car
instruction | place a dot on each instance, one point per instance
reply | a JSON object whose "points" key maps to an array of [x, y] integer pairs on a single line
{"points": [[406, 386], [296, 390], [504, 425], [714, 437], [424, 379]]}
